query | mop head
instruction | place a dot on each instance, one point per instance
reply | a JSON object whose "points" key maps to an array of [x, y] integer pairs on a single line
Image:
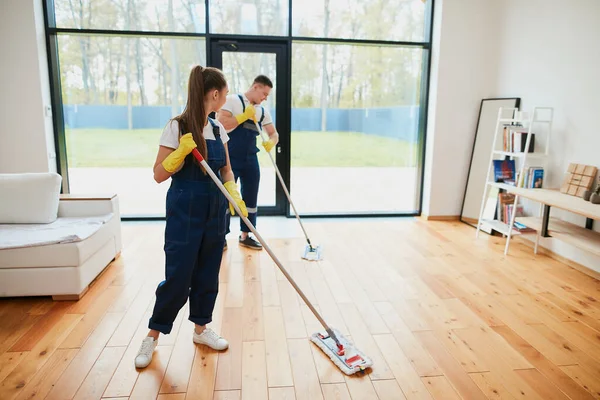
{"points": [[312, 253], [348, 358]]}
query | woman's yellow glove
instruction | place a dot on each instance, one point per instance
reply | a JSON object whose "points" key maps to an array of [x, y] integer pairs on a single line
{"points": [[233, 191], [268, 145], [175, 159]]}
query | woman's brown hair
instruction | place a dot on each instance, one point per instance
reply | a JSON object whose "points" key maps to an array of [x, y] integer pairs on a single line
{"points": [[193, 118]]}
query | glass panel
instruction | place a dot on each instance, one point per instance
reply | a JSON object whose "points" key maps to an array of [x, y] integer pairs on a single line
{"points": [[132, 15], [399, 20], [240, 69], [118, 94], [355, 113], [249, 17]]}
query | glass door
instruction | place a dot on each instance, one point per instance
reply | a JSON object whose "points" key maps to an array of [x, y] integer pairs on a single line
{"points": [[241, 61]]}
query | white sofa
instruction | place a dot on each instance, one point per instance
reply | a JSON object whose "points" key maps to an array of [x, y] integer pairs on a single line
{"points": [[52, 244]]}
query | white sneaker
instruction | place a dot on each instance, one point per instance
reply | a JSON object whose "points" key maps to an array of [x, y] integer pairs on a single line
{"points": [[144, 355], [211, 339]]}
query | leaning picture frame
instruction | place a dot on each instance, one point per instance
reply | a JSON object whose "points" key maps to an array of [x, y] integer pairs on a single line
{"points": [[480, 159]]}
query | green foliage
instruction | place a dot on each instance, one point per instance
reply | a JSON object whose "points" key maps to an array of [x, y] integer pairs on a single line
{"points": [[104, 70], [138, 148]]}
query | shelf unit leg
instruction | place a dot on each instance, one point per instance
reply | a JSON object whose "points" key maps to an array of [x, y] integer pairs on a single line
{"points": [[511, 223], [545, 220]]}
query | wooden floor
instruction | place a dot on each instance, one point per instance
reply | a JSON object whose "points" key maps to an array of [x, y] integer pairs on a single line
{"points": [[442, 315]]}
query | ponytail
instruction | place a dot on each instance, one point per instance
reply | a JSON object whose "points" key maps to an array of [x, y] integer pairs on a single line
{"points": [[194, 116]]}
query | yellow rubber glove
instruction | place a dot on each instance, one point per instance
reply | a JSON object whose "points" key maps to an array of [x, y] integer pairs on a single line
{"points": [[233, 191], [175, 159], [268, 145], [248, 113]]}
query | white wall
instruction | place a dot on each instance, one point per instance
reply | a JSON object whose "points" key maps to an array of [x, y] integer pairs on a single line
{"points": [[545, 51], [551, 57], [463, 71], [26, 136]]}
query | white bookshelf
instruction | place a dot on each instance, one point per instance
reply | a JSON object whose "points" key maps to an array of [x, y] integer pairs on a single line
{"points": [[538, 122]]}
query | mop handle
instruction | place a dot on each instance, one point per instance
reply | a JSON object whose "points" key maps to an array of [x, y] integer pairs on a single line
{"points": [[283, 184], [217, 181]]}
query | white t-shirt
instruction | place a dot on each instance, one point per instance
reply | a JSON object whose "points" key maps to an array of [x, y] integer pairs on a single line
{"points": [[170, 135], [234, 106]]}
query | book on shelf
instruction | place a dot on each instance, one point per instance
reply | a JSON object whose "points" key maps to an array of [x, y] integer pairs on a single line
{"points": [[504, 170], [506, 206], [533, 178], [515, 139], [522, 228]]}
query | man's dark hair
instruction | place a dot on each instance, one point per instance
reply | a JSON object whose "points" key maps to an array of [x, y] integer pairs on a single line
{"points": [[263, 80]]}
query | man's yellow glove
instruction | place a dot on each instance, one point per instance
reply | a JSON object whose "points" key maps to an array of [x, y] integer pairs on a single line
{"points": [[175, 159], [233, 191], [268, 145], [248, 113]]}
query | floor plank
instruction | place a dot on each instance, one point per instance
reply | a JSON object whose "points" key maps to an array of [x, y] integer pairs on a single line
{"points": [[452, 370], [37, 357], [44, 379], [552, 372], [306, 380], [388, 390], [417, 355], [223, 395], [440, 388], [491, 385], [335, 391], [69, 382], [229, 371], [96, 381], [282, 393], [178, 371], [405, 375], [586, 380], [9, 361], [254, 371], [279, 370]]}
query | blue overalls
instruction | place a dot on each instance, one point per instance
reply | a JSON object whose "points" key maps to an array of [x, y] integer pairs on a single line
{"points": [[194, 239], [244, 163]]}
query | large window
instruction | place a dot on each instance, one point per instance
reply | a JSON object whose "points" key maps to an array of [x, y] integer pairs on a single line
{"points": [[118, 94], [357, 94], [355, 119]]}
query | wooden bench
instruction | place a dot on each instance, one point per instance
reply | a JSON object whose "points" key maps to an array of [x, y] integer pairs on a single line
{"points": [[583, 238]]}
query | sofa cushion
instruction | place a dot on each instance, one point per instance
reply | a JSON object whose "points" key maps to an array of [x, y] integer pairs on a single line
{"points": [[61, 255], [29, 198], [62, 230]]}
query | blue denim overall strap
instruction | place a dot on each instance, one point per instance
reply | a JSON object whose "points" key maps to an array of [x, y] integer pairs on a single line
{"points": [[216, 158], [262, 117], [242, 140], [194, 239]]}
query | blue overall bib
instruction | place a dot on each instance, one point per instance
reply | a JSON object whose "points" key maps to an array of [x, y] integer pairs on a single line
{"points": [[194, 239], [244, 164]]}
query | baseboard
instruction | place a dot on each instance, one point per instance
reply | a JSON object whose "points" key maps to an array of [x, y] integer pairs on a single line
{"points": [[441, 217], [562, 259]]}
